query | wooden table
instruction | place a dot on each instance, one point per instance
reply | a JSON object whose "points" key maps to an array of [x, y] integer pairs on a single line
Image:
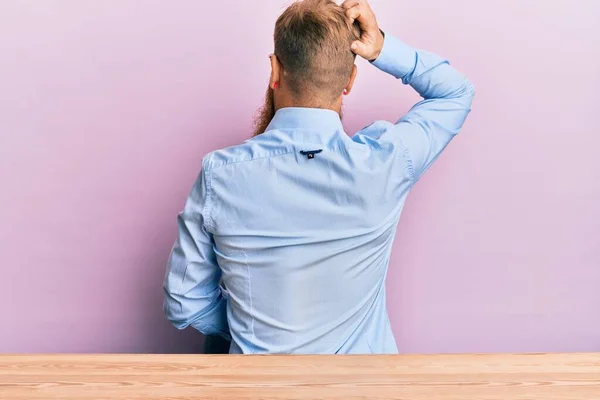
{"points": [[435, 377]]}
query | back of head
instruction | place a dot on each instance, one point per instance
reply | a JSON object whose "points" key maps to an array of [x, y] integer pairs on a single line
{"points": [[312, 43]]}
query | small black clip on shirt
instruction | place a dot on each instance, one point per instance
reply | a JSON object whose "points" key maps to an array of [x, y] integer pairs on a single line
{"points": [[310, 154]]}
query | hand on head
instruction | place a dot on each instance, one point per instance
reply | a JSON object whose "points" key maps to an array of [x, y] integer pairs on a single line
{"points": [[371, 40]]}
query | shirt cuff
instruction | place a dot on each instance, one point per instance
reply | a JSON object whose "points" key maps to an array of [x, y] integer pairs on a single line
{"points": [[396, 58]]}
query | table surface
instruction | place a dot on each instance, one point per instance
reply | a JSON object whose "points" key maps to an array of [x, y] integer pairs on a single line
{"points": [[431, 377]]}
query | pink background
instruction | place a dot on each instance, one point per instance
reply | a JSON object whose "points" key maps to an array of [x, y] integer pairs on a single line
{"points": [[107, 107]]}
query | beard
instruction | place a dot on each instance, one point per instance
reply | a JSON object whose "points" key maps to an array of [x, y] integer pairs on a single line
{"points": [[265, 114]]}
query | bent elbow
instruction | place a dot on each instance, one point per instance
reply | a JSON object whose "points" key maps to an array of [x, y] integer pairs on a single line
{"points": [[173, 310], [201, 315], [468, 89], [465, 95]]}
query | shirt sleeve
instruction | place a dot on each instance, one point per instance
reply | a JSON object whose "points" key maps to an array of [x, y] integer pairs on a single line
{"points": [[432, 123], [192, 293]]}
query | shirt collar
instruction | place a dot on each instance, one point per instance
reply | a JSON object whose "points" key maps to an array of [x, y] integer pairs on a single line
{"points": [[313, 119]]}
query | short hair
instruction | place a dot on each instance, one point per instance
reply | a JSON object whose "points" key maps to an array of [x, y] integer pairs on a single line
{"points": [[312, 42]]}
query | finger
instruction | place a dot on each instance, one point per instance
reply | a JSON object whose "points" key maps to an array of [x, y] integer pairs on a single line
{"points": [[365, 4], [350, 3], [353, 13], [365, 19]]}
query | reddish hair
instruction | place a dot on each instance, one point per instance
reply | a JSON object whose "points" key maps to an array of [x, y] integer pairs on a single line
{"points": [[312, 42]]}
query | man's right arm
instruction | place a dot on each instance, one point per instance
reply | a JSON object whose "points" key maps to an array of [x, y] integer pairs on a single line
{"points": [[432, 123], [192, 296]]}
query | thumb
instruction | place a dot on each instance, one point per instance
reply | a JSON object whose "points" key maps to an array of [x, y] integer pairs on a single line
{"points": [[359, 48]]}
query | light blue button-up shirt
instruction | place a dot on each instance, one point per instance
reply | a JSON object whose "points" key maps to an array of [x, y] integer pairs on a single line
{"points": [[298, 223]]}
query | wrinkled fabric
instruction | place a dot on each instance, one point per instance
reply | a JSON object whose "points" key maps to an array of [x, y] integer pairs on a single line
{"points": [[298, 223]]}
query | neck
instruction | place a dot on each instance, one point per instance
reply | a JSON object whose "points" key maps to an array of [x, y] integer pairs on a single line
{"points": [[289, 101]]}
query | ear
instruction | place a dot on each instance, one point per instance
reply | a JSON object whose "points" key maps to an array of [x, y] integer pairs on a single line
{"points": [[351, 81], [275, 72]]}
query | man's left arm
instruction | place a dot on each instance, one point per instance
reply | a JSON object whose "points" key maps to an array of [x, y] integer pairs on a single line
{"points": [[447, 94], [192, 293], [427, 128]]}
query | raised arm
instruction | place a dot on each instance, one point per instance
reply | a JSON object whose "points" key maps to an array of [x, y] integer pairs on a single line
{"points": [[192, 293], [447, 94]]}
